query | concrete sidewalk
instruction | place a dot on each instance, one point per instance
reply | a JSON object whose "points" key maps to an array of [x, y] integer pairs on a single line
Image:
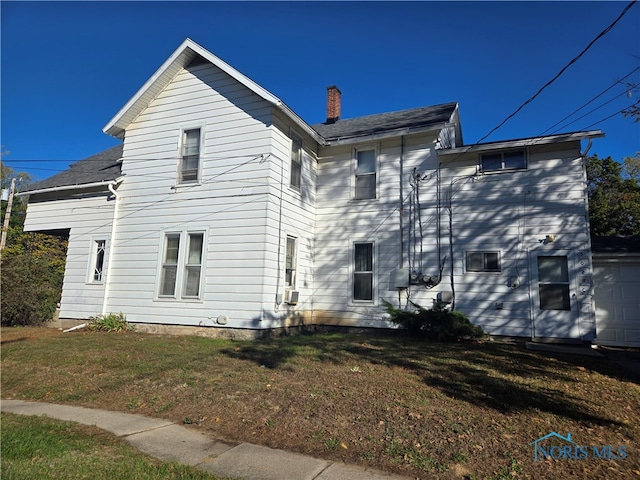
{"points": [[168, 441]]}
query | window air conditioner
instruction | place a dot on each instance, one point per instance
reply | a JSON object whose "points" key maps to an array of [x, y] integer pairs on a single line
{"points": [[291, 297]]}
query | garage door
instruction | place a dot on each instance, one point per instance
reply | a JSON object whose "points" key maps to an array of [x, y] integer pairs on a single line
{"points": [[617, 299]]}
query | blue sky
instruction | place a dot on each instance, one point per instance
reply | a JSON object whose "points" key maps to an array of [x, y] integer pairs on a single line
{"points": [[68, 67]]}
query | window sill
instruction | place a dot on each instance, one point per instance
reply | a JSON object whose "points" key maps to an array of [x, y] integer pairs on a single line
{"points": [[178, 300], [180, 186], [503, 170]]}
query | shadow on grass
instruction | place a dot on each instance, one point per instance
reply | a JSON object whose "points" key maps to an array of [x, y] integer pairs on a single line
{"points": [[493, 375]]}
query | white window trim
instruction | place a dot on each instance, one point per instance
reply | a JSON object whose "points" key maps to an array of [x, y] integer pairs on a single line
{"points": [[502, 152], [183, 129], [354, 167], [483, 251], [292, 134], [295, 262], [89, 280], [178, 295], [363, 303]]}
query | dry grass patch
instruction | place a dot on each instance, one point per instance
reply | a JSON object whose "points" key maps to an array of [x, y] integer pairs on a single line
{"points": [[421, 409]]}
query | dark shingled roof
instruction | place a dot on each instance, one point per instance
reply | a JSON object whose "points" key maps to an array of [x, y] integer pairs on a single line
{"points": [[103, 166], [385, 122], [616, 244]]}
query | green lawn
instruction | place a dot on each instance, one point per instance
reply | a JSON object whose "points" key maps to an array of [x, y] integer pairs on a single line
{"points": [[42, 448], [444, 411]]}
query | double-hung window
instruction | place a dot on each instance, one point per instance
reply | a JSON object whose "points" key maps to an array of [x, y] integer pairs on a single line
{"points": [[509, 160], [296, 162], [290, 263], [193, 266], [365, 174], [97, 261], [363, 272], [190, 156], [483, 262], [169, 274], [182, 271]]}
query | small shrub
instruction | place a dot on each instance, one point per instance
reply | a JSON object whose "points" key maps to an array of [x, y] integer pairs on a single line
{"points": [[111, 322], [437, 324]]}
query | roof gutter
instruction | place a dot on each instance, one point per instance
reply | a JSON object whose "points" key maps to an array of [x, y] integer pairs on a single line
{"points": [[387, 134], [71, 187], [523, 142]]}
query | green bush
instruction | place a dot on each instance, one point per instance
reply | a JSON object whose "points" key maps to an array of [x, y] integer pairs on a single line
{"points": [[111, 322], [31, 289], [436, 324]]}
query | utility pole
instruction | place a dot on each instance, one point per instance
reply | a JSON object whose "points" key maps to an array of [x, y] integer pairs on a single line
{"points": [[7, 215]]}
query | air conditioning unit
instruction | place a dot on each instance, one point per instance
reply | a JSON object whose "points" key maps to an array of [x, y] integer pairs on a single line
{"points": [[291, 297]]}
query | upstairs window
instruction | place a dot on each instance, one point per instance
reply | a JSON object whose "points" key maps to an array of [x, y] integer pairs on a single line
{"points": [[509, 160], [483, 262], [190, 156], [365, 181], [290, 263], [296, 162]]}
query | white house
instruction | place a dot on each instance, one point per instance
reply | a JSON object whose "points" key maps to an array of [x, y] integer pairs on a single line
{"points": [[225, 211]]}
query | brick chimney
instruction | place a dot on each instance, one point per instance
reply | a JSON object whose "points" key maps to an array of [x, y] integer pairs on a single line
{"points": [[333, 104]]}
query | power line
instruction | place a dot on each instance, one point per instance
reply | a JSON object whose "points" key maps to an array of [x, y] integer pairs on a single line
{"points": [[587, 103], [574, 60]]}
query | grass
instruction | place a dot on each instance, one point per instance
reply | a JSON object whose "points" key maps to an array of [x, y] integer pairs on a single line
{"points": [[42, 448], [443, 411]]}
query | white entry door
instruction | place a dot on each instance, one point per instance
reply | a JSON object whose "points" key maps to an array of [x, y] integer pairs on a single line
{"points": [[555, 307]]}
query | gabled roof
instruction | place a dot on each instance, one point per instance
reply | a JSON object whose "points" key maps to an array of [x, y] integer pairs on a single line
{"points": [[187, 52], [102, 168], [392, 123]]}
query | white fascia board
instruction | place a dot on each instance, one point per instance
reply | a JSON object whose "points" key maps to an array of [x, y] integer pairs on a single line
{"points": [[400, 132], [180, 58], [523, 142]]}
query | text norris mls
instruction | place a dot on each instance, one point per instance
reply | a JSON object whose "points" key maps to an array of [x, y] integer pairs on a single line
{"points": [[573, 451]]}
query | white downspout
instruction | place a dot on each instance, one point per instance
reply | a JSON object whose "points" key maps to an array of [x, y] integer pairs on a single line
{"points": [[112, 243]]}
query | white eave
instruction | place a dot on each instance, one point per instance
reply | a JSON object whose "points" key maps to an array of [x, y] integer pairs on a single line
{"points": [[398, 132], [523, 142], [180, 58]]}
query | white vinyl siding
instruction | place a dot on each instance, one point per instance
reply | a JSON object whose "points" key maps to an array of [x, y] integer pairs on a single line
{"points": [[88, 219]]}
